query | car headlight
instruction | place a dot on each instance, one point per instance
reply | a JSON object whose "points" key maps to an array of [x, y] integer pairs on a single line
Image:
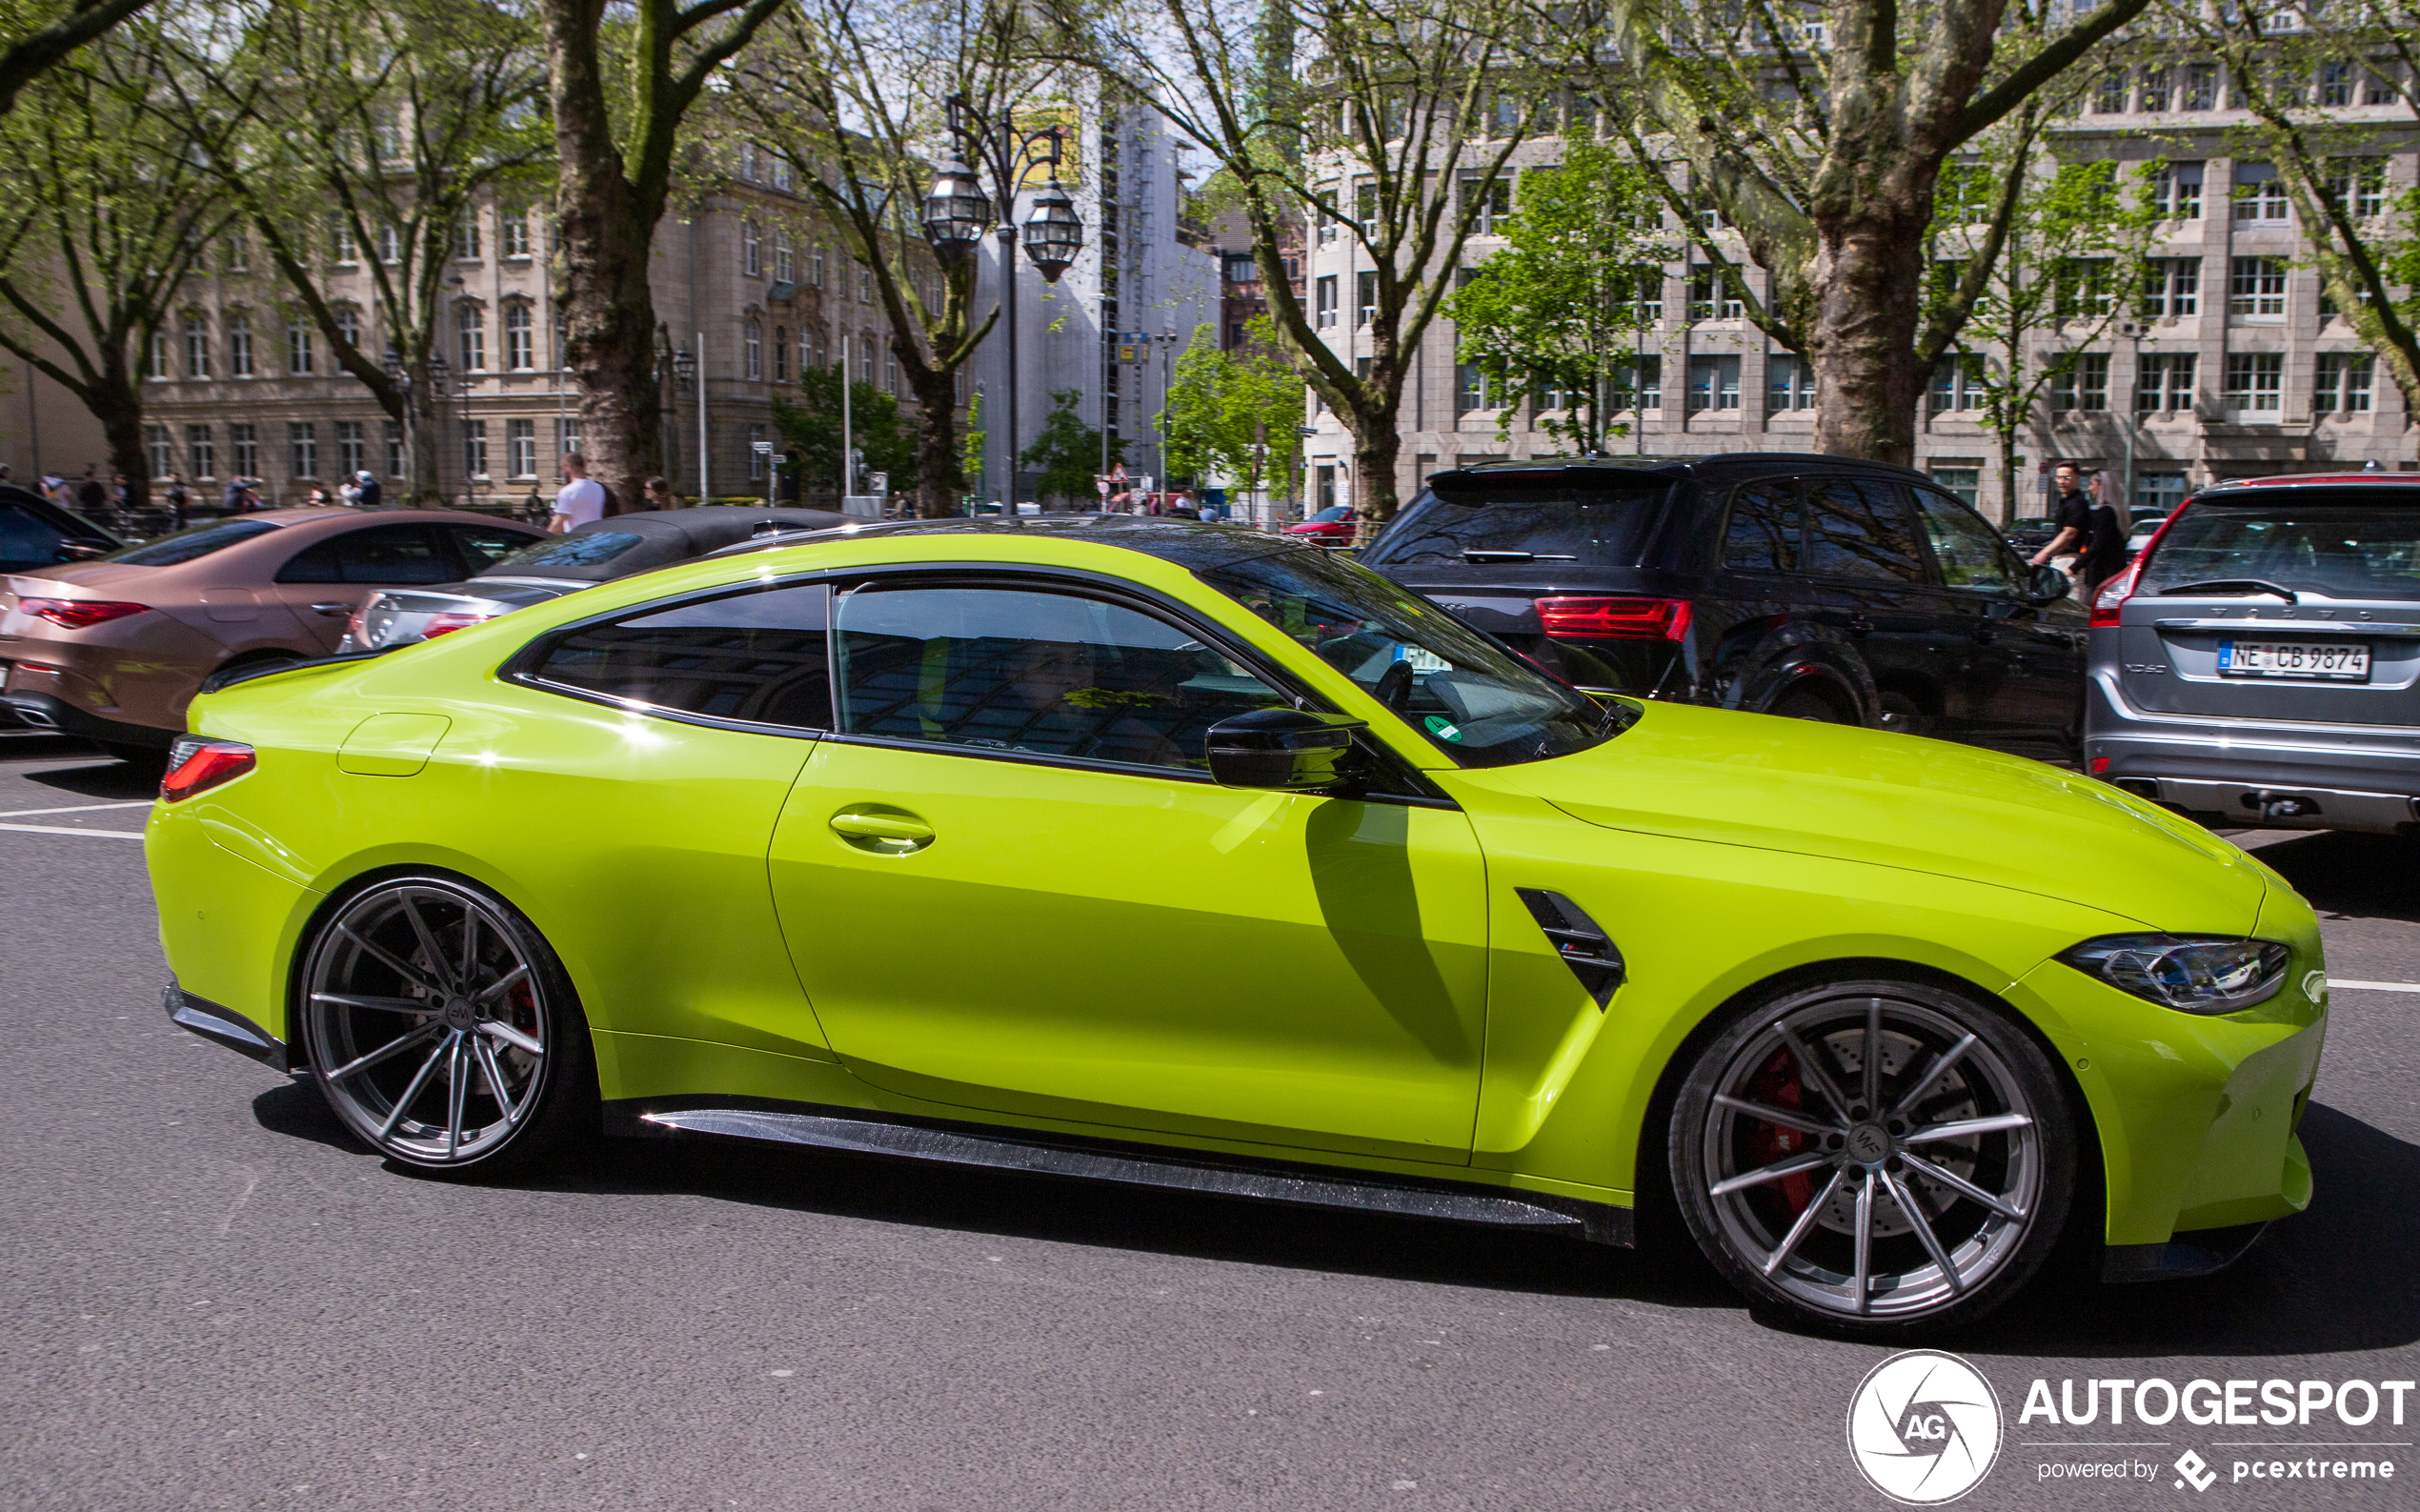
{"points": [[2195, 974]]}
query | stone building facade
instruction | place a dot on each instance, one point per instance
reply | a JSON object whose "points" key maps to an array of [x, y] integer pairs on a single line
{"points": [[2235, 369]]}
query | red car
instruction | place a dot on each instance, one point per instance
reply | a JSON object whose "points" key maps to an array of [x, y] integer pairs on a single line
{"points": [[1332, 525]]}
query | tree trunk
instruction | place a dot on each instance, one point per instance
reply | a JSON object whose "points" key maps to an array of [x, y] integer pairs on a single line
{"points": [[1376, 445], [428, 481], [118, 405], [1869, 277], [938, 482]]}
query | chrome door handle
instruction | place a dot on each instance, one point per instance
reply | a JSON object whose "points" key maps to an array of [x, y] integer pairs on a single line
{"points": [[883, 832], [333, 609]]}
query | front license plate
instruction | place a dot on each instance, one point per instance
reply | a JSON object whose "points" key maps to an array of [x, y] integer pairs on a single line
{"points": [[2332, 661]]}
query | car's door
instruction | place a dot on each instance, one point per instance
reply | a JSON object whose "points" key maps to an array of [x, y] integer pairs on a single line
{"points": [[324, 582], [1010, 884], [1866, 554], [2025, 682]]}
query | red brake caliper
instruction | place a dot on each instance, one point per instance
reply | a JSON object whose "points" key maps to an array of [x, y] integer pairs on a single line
{"points": [[1777, 1086]]}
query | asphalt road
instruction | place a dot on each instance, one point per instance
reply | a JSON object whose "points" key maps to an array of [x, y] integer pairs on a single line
{"points": [[213, 1299]]}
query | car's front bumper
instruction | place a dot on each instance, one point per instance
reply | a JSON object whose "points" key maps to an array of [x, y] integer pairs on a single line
{"points": [[2236, 772]]}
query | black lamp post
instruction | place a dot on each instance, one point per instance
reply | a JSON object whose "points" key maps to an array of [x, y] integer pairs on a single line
{"points": [[958, 210], [400, 373]]}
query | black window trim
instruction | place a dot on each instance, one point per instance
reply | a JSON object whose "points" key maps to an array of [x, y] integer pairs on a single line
{"points": [[1796, 483], [521, 666]]}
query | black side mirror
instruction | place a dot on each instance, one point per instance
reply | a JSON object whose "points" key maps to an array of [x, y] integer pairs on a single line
{"points": [[1287, 750], [2048, 585]]}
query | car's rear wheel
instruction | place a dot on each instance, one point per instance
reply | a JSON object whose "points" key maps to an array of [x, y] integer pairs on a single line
{"points": [[443, 1031], [1806, 703], [1874, 1157]]}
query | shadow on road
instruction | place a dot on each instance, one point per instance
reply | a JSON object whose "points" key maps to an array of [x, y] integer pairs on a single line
{"points": [[2349, 876], [2336, 1278], [104, 777]]}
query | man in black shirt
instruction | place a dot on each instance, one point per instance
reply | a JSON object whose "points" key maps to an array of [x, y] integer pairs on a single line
{"points": [[2087, 527]]}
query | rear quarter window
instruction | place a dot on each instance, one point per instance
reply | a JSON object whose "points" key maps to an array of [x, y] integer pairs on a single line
{"points": [[1557, 523]]}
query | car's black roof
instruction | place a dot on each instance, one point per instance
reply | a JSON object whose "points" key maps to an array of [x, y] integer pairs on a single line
{"points": [[1194, 545], [1621, 471], [667, 536], [66, 521]]}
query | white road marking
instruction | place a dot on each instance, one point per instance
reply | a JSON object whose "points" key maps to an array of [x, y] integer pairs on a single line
{"points": [[73, 808], [115, 834], [2334, 982]]}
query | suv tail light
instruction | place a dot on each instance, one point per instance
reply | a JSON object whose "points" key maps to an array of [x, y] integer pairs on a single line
{"points": [[79, 614], [196, 765], [2113, 593], [1615, 618]]}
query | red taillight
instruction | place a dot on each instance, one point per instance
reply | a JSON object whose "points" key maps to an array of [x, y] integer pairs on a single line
{"points": [[196, 764], [1615, 618], [79, 614], [448, 623], [2113, 593], [2099, 764]]}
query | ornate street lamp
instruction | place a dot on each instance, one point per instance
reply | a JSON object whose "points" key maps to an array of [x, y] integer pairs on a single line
{"points": [[685, 368], [958, 210]]}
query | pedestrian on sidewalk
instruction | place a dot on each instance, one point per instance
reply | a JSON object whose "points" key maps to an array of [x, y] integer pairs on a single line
{"points": [[581, 501]]}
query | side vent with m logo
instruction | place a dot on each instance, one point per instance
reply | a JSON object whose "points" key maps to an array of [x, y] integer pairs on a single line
{"points": [[1587, 949]]}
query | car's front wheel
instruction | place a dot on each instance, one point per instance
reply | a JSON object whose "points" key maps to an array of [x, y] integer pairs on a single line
{"points": [[443, 1031], [1874, 1157]]}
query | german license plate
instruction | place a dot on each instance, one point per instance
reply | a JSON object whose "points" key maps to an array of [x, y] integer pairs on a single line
{"points": [[2333, 661]]}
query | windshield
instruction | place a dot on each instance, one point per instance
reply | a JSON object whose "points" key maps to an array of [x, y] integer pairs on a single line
{"points": [[2360, 547], [566, 550], [184, 545], [1550, 523], [1470, 697]]}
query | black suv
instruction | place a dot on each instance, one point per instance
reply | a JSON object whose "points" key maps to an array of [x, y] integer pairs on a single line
{"points": [[1806, 586]]}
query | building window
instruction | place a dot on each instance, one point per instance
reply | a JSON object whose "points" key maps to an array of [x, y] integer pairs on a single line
{"points": [[2171, 287], [748, 161], [2109, 93], [397, 464], [512, 231], [239, 346], [300, 357], [349, 325], [815, 265], [2358, 184], [2342, 382], [2157, 86], [196, 346], [1714, 294], [2260, 194], [1365, 298], [1714, 384], [752, 345], [2382, 90], [474, 448], [472, 322], [302, 448], [890, 372], [201, 457], [155, 356], [466, 237], [865, 359], [2083, 384], [1957, 382], [755, 458], [865, 284], [1964, 483], [2335, 84], [2255, 384], [1790, 383], [2200, 90], [2176, 189], [342, 250], [1326, 487], [785, 263], [243, 448], [2258, 287], [1489, 202], [2160, 491], [752, 248], [2082, 288], [520, 341], [389, 245], [781, 354], [235, 254], [2164, 385], [520, 446], [159, 449], [351, 454], [567, 434], [1325, 302], [1638, 384], [783, 172]]}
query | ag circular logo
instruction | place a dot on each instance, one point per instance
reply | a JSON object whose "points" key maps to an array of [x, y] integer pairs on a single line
{"points": [[1923, 1427]]}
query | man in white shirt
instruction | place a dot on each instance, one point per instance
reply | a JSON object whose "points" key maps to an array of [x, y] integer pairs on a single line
{"points": [[580, 499]]}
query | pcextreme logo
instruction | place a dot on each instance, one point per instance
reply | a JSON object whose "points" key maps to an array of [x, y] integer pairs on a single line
{"points": [[1923, 1427]]}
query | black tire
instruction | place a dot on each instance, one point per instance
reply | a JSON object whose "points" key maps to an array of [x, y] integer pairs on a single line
{"points": [[1806, 703], [1896, 710], [431, 960], [1779, 1203]]}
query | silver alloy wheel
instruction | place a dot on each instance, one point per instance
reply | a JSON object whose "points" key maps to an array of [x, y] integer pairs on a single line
{"points": [[427, 1023], [1871, 1157]]}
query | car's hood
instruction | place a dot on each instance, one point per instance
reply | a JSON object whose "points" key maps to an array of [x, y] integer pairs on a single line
{"points": [[1897, 800]]}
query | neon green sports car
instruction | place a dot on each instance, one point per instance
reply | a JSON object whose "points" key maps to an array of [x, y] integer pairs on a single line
{"points": [[1173, 854]]}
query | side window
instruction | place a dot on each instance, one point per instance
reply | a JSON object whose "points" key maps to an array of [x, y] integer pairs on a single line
{"points": [[1764, 529], [382, 554], [483, 546], [1861, 527], [27, 542], [757, 656], [1970, 553], [1034, 669]]}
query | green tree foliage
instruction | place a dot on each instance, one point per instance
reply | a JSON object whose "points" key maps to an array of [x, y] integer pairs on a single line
{"points": [[1553, 317], [1234, 414], [42, 34], [1068, 452], [811, 431]]}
